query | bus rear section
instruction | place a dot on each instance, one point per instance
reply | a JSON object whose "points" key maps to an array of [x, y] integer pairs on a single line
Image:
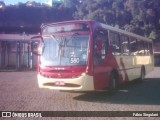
{"points": [[133, 54]]}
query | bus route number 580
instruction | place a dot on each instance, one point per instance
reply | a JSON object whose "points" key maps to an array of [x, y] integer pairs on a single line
{"points": [[74, 60]]}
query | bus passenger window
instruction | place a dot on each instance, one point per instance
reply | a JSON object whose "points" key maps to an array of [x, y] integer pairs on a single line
{"points": [[125, 45], [133, 46], [100, 47], [140, 48], [146, 47], [115, 43], [150, 49]]}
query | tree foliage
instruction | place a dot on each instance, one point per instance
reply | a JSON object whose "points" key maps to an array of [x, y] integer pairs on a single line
{"points": [[138, 16]]}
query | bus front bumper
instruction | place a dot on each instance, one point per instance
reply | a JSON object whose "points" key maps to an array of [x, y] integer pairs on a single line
{"points": [[82, 83]]}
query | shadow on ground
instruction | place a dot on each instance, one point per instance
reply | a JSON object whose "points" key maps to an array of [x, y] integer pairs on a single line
{"points": [[147, 93]]}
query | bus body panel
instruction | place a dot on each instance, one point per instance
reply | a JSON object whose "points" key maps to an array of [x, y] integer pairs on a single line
{"points": [[101, 76], [102, 72], [82, 83], [130, 66]]}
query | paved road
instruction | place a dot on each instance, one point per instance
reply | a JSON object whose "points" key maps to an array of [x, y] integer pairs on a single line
{"points": [[19, 91]]}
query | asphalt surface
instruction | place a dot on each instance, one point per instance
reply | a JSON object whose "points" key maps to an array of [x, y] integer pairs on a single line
{"points": [[19, 92]]}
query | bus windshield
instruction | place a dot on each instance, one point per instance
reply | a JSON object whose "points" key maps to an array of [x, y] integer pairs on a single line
{"points": [[68, 50]]}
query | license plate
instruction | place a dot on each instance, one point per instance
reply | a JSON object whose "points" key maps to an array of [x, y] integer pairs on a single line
{"points": [[61, 83]]}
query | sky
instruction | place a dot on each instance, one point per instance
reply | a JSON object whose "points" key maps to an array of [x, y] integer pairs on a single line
{"points": [[12, 2]]}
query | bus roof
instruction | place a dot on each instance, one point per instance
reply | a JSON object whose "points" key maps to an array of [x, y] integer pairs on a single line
{"points": [[104, 26]]}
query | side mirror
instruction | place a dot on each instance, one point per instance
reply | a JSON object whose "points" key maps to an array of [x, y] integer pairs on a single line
{"points": [[37, 45]]}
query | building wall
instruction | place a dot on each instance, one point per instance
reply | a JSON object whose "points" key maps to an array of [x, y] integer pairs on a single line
{"points": [[15, 52]]}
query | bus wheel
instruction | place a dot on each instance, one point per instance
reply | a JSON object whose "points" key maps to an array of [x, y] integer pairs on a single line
{"points": [[113, 83], [142, 74]]}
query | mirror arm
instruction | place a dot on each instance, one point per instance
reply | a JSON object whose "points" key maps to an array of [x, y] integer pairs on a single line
{"points": [[32, 43]]}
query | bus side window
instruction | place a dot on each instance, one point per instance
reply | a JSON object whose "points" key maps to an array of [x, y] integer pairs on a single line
{"points": [[133, 46], [150, 49], [140, 48], [125, 45], [100, 46], [115, 43], [146, 48]]}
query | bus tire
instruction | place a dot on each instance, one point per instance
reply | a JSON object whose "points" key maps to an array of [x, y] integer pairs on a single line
{"points": [[142, 75], [113, 83]]}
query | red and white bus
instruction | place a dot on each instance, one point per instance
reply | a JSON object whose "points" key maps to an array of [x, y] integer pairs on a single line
{"points": [[87, 55]]}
